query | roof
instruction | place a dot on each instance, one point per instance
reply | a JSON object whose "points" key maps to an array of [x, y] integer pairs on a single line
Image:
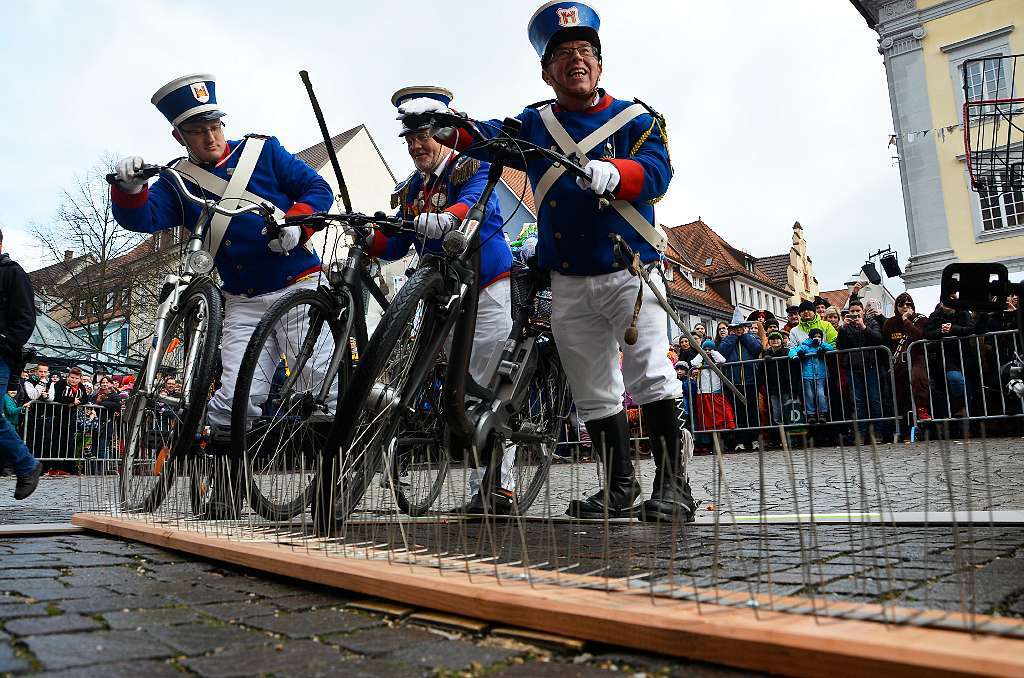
{"points": [[50, 275], [775, 267], [680, 287], [517, 183], [54, 342], [865, 8], [837, 298], [713, 256], [316, 155], [91, 274]]}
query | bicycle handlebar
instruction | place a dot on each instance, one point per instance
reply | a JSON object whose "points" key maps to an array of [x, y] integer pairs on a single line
{"points": [[504, 145], [150, 171]]}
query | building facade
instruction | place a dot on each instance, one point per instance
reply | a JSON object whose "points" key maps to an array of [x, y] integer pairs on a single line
{"points": [[729, 276], [924, 44], [793, 270]]}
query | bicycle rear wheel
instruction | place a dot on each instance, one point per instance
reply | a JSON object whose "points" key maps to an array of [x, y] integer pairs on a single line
{"points": [[536, 426], [378, 384], [279, 423], [157, 433]]}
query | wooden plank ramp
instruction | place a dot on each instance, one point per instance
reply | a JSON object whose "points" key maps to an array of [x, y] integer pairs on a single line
{"points": [[777, 642]]}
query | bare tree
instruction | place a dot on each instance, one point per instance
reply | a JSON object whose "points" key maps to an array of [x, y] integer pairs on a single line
{"points": [[105, 277]]}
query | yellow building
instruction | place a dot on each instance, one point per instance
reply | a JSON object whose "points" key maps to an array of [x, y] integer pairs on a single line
{"points": [[924, 44], [793, 270]]}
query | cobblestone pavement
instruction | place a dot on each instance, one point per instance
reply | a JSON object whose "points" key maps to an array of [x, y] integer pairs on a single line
{"points": [[932, 476], [84, 605], [80, 605]]}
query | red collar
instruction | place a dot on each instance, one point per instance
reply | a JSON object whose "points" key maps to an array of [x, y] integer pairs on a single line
{"points": [[226, 154], [604, 102]]}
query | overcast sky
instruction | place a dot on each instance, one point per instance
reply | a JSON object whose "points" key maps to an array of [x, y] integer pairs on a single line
{"points": [[777, 111]]}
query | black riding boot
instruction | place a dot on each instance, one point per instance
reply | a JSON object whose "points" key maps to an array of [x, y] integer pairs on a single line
{"points": [[617, 499], [671, 499]]}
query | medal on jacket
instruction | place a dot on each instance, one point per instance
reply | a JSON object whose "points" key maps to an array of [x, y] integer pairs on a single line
{"points": [[439, 200]]}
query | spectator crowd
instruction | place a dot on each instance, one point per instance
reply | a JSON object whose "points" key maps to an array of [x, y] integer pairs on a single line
{"points": [[69, 415], [848, 372]]}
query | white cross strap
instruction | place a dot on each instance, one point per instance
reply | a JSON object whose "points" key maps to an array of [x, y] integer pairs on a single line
{"points": [[230, 192], [653, 234]]}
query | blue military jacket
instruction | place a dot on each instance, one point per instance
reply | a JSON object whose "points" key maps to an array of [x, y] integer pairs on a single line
{"points": [[245, 264], [572, 231], [455, 189]]}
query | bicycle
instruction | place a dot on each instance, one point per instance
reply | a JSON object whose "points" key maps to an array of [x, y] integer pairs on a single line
{"points": [[296, 364], [441, 297], [160, 430]]}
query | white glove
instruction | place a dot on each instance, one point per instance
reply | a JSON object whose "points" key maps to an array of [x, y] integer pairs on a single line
{"points": [[126, 169], [602, 177], [434, 224], [286, 240]]}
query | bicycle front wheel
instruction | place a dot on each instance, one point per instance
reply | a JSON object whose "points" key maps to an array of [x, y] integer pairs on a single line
{"points": [[158, 431], [282, 411], [380, 382], [419, 464], [536, 425]]}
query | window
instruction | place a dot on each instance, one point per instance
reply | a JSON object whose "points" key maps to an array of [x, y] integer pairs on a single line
{"points": [[748, 263], [986, 79], [156, 242], [759, 298], [81, 308], [111, 300], [1001, 210], [126, 295]]}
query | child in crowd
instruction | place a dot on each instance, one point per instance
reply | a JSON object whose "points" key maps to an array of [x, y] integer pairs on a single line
{"points": [[714, 411], [780, 377], [811, 352]]}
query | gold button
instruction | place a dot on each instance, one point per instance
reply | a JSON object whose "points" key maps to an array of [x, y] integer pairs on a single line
{"points": [[565, 264], [552, 204], [227, 243], [238, 267], [558, 235]]}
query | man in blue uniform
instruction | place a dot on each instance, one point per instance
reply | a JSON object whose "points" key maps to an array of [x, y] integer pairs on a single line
{"points": [[437, 196], [625, 150], [255, 272]]}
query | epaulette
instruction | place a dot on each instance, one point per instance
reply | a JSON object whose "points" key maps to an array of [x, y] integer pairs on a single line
{"points": [[257, 136], [541, 104], [657, 116], [464, 168], [401, 192], [659, 122]]}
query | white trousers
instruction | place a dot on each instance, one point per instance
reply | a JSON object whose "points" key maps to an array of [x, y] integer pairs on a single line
{"points": [[241, 315], [589, 316], [493, 323]]}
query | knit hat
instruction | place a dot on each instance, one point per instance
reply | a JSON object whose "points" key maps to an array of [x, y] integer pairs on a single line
{"points": [[904, 297], [776, 335], [806, 305], [682, 365], [792, 309], [708, 345]]}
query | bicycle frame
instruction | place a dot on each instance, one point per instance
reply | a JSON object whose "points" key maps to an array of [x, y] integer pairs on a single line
{"points": [[342, 281], [174, 285]]}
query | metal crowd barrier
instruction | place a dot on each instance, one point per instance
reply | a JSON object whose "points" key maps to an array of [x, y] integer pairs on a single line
{"points": [[960, 378], [81, 434], [778, 395]]}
